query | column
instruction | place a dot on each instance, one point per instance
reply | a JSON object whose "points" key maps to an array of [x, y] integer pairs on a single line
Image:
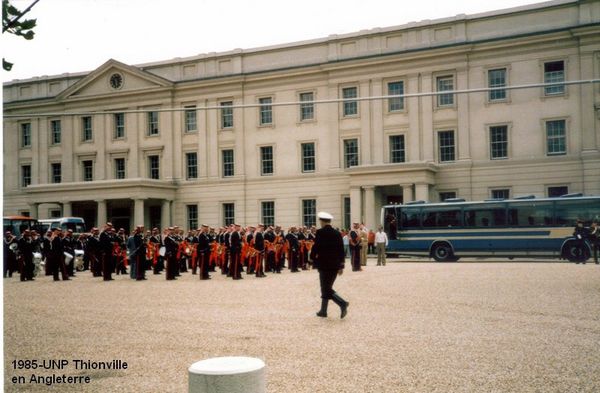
{"points": [[33, 210], [165, 214], [355, 204], [586, 104], [463, 133], [138, 211], [427, 143], [422, 192], [365, 144], [101, 217], [67, 209], [377, 143], [370, 207], [407, 193]]}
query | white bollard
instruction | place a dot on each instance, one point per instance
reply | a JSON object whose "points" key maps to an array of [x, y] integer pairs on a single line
{"points": [[230, 374]]}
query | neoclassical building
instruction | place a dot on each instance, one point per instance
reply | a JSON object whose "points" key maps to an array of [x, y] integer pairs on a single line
{"points": [[244, 135]]}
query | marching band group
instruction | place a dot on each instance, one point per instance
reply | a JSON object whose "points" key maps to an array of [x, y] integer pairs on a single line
{"points": [[107, 251]]}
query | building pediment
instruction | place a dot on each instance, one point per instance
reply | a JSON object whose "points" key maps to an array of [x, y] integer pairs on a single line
{"points": [[114, 78]]}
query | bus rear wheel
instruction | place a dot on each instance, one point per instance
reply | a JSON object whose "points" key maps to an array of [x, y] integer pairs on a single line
{"points": [[442, 252], [575, 252]]}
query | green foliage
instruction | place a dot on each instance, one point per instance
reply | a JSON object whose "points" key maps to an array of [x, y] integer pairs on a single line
{"points": [[12, 23]]}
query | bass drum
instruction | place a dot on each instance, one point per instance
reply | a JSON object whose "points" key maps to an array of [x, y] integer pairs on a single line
{"points": [[37, 263], [162, 251], [79, 260]]}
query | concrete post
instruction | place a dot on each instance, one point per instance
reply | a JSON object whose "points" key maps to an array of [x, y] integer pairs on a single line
{"points": [[231, 374], [407, 193], [138, 212], [101, 217], [67, 210], [370, 206], [165, 214], [355, 204], [422, 192], [33, 210]]}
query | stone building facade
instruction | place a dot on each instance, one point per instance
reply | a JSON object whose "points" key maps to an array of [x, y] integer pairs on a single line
{"points": [[206, 139]]}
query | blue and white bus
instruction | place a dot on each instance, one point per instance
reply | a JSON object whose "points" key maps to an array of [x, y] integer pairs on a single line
{"points": [[519, 227]]}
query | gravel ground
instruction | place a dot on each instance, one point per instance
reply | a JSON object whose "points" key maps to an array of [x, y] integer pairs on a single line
{"points": [[411, 327]]}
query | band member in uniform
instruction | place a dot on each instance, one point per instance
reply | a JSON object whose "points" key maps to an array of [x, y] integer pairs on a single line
{"points": [[302, 256], [137, 252], [46, 253], [154, 243], [57, 256], [203, 252], [280, 249], [10, 254], [328, 256], [364, 241], [171, 247], [25, 246], [69, 248], [292, 244], [259, 246], [235, 244], [269, 237], [106, 249], [581, 233], [120, 251], [94, 253], [355, 247]]}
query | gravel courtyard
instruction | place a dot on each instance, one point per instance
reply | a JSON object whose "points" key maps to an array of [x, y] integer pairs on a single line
{"points": [[411, 327]]}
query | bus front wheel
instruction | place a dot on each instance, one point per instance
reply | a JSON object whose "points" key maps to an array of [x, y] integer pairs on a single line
{"points": [[575, 252], [442, 252]]}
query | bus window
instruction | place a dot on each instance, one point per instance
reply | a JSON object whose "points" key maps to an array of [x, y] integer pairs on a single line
{"points": [[530, 214], [410, 218], [486, 216], [441, 218], [568, 212], [390, 223]]}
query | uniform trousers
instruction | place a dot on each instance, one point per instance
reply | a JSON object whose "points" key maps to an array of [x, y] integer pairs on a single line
{"points": [[355, 258]]}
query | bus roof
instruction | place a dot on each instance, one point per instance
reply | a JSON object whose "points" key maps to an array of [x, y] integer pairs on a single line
{"points": [[493, 201]]}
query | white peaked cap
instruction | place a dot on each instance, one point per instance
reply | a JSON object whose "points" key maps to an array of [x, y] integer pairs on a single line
{"points": [[324, 216]]}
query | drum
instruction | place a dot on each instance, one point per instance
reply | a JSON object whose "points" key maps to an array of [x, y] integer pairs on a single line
{"points": [[68, 258], [162, 251]]}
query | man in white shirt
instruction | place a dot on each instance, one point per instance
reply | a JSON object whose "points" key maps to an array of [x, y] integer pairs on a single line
{"points": [[381, 242]]}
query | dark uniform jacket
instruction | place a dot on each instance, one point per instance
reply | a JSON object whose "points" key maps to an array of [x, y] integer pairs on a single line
{"points": [[26, 248], [259, 242], [328, 249], [106, 243], [293, 241], [203, 242], [171, 246], [235, 241]]}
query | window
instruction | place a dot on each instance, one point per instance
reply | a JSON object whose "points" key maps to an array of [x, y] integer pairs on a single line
{"points": [[86, 128], [308, 157], [557, 191], [498, 142], [350, 106], [446, 145], [55, 213], [25, 175], [556, 141], [226, 114], [350, 153], [491, 215], [569, 211], [445, 83], [307, 111], [25, 134], [55, 129], [309, 212], [528, 214], [119, 168], [152, 123], [397, 152], [497, 78], [154, 167], [394, 89], [191, 164], [228, 214], [56, 172], [411, 218], [503, 193], [266, 111], [554, 72], [190, 118], [228, 164], [266, 160], [119, 125], [268, 212], [347, 219], [447, 195], [192, 216], [441, 218], [88, 170]]}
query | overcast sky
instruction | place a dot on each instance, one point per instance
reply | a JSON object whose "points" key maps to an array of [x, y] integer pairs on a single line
{"points": [[80, 35]]}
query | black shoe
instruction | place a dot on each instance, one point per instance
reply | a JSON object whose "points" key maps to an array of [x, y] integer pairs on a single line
{"points": [[344, 310], [322, 314]]}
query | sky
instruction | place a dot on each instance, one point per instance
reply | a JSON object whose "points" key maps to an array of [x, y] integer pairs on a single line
{"points": [[80, 35]]}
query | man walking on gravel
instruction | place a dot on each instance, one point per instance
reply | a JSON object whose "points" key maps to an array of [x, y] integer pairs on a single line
{"points": [[328, 256]]}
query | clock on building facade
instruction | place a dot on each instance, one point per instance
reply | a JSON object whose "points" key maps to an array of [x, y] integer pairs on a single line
{"points": [[116, 81]]}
